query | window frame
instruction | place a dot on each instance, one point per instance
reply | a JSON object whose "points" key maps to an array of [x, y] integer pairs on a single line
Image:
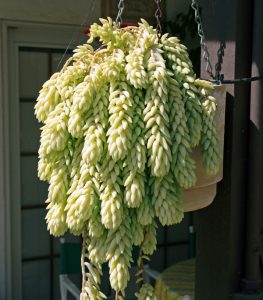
{"points": [[13, 35]]}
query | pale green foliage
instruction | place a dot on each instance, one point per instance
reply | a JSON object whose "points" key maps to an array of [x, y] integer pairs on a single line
{"points": [[56, 218], [167, 200], [121, 111], [91, 288], [136, 73], [134, 165], [137, 229], [156, 117], [111, 194], [119, 254], [182, 164], [119, 127], [149, 244], [146, 292], [48, 98], [181, 66], [209, 139]]}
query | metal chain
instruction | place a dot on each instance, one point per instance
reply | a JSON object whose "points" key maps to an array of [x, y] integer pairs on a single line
{"points": [[203, 42], [120, 12], [220, 56], [218, 78], [158, 16], [221, 80]]}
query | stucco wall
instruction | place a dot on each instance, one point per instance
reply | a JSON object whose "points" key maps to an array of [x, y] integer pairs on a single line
{"points": [[73, 12], [66, 11]]}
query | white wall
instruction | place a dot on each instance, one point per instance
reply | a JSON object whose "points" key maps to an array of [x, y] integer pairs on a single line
{"points": [[73, 12]]}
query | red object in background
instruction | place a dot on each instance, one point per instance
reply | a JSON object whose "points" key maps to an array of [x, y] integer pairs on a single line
{"points": [[128, 24], [86, 31]]}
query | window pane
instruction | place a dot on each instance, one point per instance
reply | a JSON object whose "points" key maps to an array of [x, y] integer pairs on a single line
{"points": [[36, 280], [56, 291], [157, 260], [33, 190], [29, 128], [66, 238], [35, 237], [58, 60], [160, 234], [179, 232], [177, 253], [33, 72]]}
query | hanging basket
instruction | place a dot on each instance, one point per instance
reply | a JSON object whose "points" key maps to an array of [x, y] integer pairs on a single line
{"points": [[204, 191], [122, 124]]}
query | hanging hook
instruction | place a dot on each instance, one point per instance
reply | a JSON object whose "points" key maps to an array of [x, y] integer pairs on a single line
{"points": [[158, 16], [120, 12]]}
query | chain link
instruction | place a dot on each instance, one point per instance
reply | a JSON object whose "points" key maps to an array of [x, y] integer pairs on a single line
{"points": [[158, 16], [220, 56], [218, 78], [203, 42], [221, 80], [120, 12]]}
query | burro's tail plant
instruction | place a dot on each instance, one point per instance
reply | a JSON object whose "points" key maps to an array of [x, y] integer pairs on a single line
{"points": [[120, 124]]}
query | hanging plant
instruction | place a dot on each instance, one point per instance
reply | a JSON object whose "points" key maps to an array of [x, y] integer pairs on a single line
{"points": [[120, 123], [185, 27]]}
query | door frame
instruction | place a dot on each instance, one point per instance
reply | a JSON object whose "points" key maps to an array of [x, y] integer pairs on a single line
{"points": [[13, 35]]}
